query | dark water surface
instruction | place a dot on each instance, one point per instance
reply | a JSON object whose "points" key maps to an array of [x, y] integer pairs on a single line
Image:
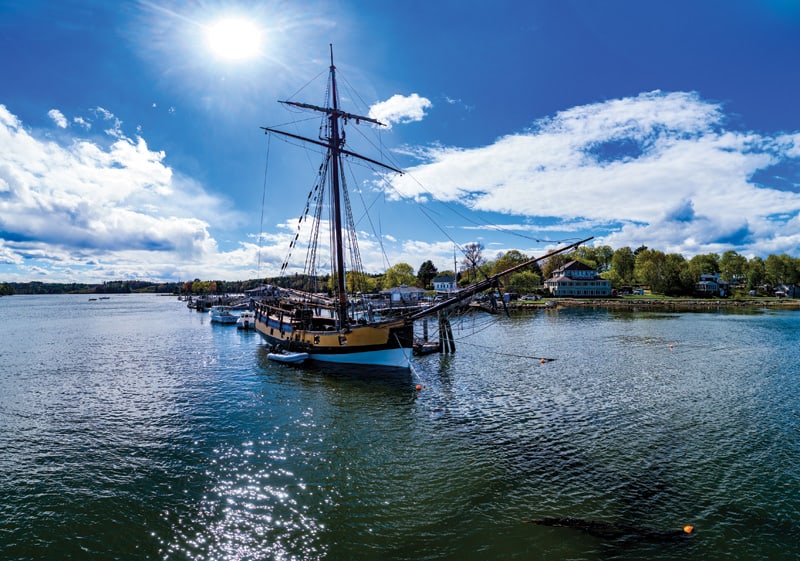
{"points": [[133, 428]]}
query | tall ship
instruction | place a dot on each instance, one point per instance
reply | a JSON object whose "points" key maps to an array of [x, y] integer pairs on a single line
{"points": [[343, 328]]}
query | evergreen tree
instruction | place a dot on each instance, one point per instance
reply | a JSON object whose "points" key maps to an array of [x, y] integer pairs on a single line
{"points": [[427, 272]]}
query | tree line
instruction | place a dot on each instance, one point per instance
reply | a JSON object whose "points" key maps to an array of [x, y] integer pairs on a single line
{"points": [[663, 273], [108, 287]]}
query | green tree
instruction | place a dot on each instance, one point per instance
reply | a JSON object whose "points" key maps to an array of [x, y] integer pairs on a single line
{"points": [[587, 255], [756, 273], [507, 260], [360, 282], [775, 269], [676, 277], [604, 255], [649, 268], [623, 263], [703, 264], [732, 266], [664, 274], [523, 282], [427, 272], [399, 274]]}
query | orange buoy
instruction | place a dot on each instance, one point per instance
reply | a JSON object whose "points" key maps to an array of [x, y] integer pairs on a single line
{"points": [[419, 387], [688, 529], [543, 361]]}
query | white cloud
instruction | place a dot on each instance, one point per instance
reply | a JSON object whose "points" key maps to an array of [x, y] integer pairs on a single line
{"points": [[58, 118], [109, 202], [81, 122], [628, 164], [400, 109]]}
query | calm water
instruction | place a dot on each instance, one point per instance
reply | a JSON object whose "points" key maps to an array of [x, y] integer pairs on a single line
{"points": [[133, 428]]}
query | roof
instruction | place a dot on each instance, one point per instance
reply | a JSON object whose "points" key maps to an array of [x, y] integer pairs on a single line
{"points": [[406, 289], [574, 266]]}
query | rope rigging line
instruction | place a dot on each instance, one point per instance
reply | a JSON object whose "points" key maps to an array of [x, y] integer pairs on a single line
{"points": [[310, 266], [489, 323], [311, 195], [355, 254], [304, 86]]}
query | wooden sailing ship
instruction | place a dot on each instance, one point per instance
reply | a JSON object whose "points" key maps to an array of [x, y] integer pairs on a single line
{"points": [[325, 328], [331, 329]]}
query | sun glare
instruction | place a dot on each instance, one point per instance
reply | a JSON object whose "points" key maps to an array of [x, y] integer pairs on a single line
{"points": [[234, 38]]}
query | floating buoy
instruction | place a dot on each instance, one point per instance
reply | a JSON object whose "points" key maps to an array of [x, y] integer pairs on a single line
{"points": [[543, 361], [688, 529], [419, 387], [671, 347]]}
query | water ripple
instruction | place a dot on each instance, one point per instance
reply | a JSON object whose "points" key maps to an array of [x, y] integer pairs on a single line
{"points": [[143, 431]]}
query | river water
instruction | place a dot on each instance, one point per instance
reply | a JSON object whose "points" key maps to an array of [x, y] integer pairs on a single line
{"points": [[133, 428]]}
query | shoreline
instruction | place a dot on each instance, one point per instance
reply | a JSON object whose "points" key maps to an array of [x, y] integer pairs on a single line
{"points": [[673, 304]]}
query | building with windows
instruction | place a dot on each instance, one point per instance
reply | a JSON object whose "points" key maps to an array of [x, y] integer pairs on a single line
{"points": [[444, 283], [404, 294], [578, 280], [711, 285]]}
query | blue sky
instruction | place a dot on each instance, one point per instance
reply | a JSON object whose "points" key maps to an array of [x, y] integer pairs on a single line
{"points": [[130, 144]]}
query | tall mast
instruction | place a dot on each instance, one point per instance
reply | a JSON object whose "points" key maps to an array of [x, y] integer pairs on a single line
{"points": [[334, 145]]}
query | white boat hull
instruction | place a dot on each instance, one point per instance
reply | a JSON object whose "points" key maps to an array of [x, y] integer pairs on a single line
{"points": [[288, 357], [390, 358]]}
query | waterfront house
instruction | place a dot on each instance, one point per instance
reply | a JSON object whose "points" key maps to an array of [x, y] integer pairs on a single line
{"points": [[577, 279], [444, 283], [404, 294], [711, 285], [787, 291]]}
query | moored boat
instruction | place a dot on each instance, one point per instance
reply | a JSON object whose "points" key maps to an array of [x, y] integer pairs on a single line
{"points": [[287, 357], [246, 320], [223, 314]]}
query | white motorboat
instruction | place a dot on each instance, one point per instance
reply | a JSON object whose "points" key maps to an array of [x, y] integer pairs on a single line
{"points": [[223, 314], [247, 320]]}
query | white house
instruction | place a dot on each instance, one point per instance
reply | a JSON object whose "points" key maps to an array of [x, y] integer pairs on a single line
{"points": [[577, 279], [444, 283]]}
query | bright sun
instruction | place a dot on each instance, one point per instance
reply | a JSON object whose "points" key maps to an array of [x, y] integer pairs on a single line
{"points": [[234, 38]]}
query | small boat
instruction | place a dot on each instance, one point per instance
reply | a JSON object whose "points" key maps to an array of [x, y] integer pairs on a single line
{"points": [[222, 314], [247, 320], [427, 347], [287, 357]]}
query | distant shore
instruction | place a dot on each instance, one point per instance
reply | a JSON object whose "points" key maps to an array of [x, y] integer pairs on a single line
{"points": [[676, 304]]}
